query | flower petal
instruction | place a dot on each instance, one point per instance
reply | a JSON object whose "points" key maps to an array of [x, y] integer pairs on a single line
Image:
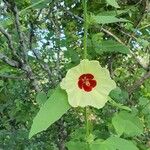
{"points": [[80, 84], [92, 83], [87, 88], [89, 76]]}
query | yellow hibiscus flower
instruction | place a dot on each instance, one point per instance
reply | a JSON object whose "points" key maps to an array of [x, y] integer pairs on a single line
{"points": [[88, 84]]}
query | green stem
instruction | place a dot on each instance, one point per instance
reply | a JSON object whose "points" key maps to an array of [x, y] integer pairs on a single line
{"points": [[87, 126], [87, 123], [87, 109], [84, 2]]}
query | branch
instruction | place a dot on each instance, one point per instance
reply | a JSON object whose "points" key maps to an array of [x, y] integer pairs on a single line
{"points": [[31, 77], [10, 43], [9, 61], [21, 39], [12, 7], [139, 82], [24, 65]]}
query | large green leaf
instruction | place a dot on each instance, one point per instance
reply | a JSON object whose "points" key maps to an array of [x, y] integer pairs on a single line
{"points": [[76, 145], [110, 46], [144, 105], [118, 105], [113, 12], [41, 98], [113, 3], [113, 143], [98, 19], [119, 95], [127, 123], [51, 111]]}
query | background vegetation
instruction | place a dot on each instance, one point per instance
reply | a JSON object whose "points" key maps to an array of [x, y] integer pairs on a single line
{"points": [[41, 39]]}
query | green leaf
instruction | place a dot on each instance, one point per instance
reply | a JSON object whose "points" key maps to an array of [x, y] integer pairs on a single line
{"points": [[36, 3], [70, 53], [113, 12], [127, 123], [51, 111], [41, 98], [145, 105], [1, 83], [119, 95], [6, 22], [110, 46], [50, 92], [113, 143], [98, 19], [76, 145], [113, 3], [78, 134], [120, 106]]}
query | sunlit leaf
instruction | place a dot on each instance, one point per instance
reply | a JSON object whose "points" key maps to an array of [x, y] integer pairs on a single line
{"points": [[51, 111], [110, 46], [113, 3], [113, 143], [127, 123], [41, 98], [97, 19], [36, 3], [76, 145]]}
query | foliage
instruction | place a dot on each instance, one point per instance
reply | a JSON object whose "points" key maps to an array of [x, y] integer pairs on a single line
{"points": [[40, 40]]}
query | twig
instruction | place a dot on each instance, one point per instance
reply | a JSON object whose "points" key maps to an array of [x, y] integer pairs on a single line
{"points": [[125, 33], [139, 82], [146, 26], [75, 16], [113, 35]]}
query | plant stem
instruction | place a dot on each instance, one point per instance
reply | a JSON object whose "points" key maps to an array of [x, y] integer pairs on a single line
{"points": [[87, 123], [84, 2], [87, 109], [87, 126]]}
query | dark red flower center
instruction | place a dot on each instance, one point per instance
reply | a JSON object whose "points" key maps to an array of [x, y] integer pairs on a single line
{"points": [[87, 82]]}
